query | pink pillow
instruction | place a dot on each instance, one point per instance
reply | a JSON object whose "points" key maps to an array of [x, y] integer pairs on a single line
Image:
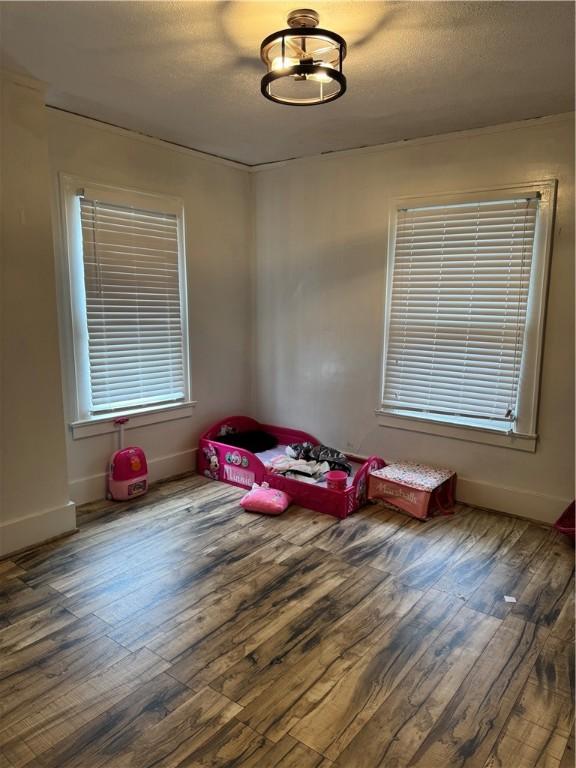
{"points": [[266, 500]]}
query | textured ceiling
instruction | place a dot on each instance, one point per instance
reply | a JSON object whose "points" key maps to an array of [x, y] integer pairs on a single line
{"points": [[189, 72]]}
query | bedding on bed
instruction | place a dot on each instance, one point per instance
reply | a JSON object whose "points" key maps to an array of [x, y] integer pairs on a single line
{"points": [[266, 457]]}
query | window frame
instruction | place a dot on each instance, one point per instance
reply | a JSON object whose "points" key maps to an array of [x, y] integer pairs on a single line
{"points": [[82, 421], [523, 435]]}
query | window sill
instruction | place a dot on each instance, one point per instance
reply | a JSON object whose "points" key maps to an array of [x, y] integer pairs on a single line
{"points": [[468, 432], [141, 417]]}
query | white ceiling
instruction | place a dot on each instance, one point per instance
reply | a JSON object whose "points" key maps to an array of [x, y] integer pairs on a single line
{"points": [[189, 72]]}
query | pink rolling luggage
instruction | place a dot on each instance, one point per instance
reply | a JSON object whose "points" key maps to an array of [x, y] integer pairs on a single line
{"points": [[128, 470]]}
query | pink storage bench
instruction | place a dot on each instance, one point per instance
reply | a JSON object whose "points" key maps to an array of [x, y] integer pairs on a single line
{"points": [[242, 468], [418, 489]]}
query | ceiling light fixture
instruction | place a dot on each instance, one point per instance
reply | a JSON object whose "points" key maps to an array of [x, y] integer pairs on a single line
{"points": [[304, 62]]}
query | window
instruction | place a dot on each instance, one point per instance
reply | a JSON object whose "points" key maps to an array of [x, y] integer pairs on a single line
{"points": [[464, 310], [127, 272]]}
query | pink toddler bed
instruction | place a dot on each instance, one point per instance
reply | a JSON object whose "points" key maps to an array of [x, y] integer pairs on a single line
{"points": [[240, 467]]}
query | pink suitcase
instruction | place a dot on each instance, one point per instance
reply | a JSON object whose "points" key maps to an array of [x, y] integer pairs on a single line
{"points": [[127, 471]]}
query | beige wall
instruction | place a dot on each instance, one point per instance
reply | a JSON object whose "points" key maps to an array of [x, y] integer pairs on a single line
{"points": [[217, 219], [34, 499], [320, 249]]}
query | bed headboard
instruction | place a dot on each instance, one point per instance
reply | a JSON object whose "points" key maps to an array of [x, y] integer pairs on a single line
{"points": [[285, 435], [231, 424]]}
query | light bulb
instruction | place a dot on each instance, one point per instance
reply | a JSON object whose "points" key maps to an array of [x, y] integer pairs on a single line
{"points": [[321, 77], [281, 62]]}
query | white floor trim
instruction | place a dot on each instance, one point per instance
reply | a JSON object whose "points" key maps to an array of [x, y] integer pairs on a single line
{"points": [[93, 488], [515, 501], [34, 529]]}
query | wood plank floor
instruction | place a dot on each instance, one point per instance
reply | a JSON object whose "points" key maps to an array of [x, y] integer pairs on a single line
{"points": [[178, 630]]}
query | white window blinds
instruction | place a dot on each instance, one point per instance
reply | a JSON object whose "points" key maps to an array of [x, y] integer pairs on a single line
{"points": [[133, 306], [457, 308]]}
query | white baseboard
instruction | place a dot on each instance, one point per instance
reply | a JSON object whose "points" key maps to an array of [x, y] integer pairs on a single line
{"points": [[93, 488], [34, 529], [515, 501]]}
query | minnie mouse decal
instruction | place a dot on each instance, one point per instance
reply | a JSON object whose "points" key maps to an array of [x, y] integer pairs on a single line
{"points": [[213, 469]]}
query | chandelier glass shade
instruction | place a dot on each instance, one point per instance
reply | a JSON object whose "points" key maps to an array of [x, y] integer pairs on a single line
{"points": [[304, 62]]}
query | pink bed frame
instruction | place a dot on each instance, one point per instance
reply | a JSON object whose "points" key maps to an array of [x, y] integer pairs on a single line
{"points": [[240, 467]]}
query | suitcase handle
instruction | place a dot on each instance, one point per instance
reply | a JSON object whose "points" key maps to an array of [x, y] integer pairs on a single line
{"points": [[120, 421]]}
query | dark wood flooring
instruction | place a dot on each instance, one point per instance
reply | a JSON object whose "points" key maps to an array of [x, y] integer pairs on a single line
{"points": [[178, 630]]}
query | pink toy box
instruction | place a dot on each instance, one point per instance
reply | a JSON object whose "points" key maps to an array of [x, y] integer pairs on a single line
{"points": [[243, 468], [566, 524], [416, 488], [128, 470]]}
